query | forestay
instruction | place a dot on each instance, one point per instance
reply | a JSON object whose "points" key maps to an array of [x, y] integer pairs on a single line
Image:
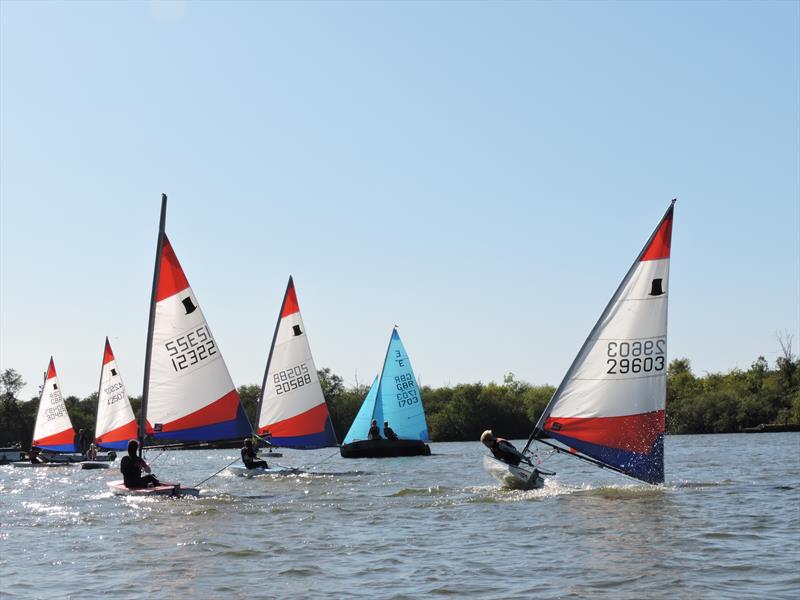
{"points": [[53, 429], [611, 404], [292, 408], [189, 392], [116, 423]]}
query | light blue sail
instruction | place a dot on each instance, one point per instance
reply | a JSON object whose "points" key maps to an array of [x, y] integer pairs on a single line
{"points": [[360, 427], [398, 395]]}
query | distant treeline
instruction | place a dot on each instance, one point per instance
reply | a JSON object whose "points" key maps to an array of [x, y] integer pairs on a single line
{"points": [[712, 403]]}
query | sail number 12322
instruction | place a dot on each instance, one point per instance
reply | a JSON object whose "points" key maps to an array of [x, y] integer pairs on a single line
{"points": [[190, 348]]}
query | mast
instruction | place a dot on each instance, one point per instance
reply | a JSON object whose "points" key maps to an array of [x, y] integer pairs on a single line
{"points": [[99, 389], [271, 350], [149, 350], [41, 395], [378, 397], [576, 362]]}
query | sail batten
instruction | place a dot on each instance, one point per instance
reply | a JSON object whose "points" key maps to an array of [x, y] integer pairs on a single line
{"points": [[292, 408], [611, 404]]}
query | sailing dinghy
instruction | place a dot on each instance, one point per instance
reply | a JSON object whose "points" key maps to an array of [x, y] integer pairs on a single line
{"points": [[188, 393], [610, 408], [393, 397], [115, 423], [53, 431], [291, 411]]}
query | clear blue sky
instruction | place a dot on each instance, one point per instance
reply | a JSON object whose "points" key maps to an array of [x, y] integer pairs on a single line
{"points": [[481, 174]]}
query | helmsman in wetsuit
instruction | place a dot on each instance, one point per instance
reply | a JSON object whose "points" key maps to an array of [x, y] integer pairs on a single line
{"points": [[388, 431], [132, 467], [374, 431], [249, 456], [502, 449]]}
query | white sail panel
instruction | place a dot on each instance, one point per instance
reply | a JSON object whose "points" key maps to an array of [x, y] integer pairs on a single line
{"points": [[293, 409], [116, 423], [53, 429]]}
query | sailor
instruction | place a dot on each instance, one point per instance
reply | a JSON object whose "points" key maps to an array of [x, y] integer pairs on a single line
{"points": [[502, 449], [91, 453], [374, 431], [132, 467], [34, 454], [80, 442], [388, 431], [250, 454]]}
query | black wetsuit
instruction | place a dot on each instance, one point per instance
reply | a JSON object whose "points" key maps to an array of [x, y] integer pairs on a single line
{"points": [[504, 450], [131, 467], [374, 433], [389, 433], [249, 459]]}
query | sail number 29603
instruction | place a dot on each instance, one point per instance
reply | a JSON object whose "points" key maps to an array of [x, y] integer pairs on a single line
{"points": [[640, 356]]}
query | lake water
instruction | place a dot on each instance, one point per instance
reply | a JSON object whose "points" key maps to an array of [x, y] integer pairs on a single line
{"points": [[726, 525]]}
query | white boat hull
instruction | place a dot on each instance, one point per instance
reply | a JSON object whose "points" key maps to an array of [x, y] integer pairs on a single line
{"points": [[165, 489], [509, 476], [28, 464], [245, 472]]}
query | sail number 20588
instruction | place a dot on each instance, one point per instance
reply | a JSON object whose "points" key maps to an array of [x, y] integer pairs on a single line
{"points": [[640, 356]]}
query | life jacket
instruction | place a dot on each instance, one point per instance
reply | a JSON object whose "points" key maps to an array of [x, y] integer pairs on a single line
{"points": [[502, 454]]}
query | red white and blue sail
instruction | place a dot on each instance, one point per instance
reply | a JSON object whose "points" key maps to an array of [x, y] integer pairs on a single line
{"points": [[190, 393], [611, 404], [116, 423], [53, 429], [293, 410]]}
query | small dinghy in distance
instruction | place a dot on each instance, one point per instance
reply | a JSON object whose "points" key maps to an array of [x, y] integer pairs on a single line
{"points": [[394, 397], [610, 409], [258, 471], [115, 422], [173, 490], [93, 464], [53, 430]]}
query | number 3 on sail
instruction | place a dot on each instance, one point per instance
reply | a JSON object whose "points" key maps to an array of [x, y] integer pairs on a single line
{"points": [[610, 407]]}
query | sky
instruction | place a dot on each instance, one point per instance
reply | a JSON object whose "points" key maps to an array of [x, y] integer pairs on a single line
{"points": [[480, 174]]}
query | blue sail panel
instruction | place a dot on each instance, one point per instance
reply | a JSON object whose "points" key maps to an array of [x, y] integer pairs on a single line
{"points": [[360, 427], [399, 395]]}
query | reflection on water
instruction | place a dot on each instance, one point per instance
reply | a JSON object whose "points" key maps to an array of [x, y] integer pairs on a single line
{"points": [[724, 525]]}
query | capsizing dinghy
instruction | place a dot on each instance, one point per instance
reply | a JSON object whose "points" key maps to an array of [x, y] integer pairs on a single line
{"points": [[609, 410]]}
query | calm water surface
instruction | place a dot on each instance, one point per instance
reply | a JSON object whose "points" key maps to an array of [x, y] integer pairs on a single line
{"points": [[726, 525]]}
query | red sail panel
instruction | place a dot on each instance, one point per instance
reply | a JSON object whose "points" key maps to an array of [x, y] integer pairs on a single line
{"points": [[171, 279], [290, 305], [660, 244]]}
